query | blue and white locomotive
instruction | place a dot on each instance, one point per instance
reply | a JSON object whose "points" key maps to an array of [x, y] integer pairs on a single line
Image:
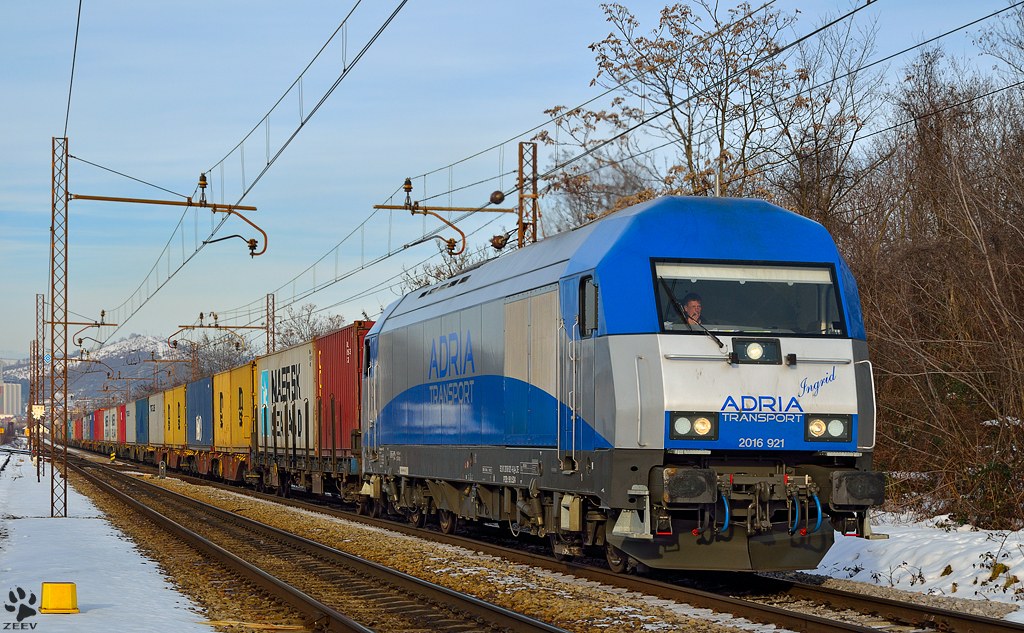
{"points": [[566, 390]]}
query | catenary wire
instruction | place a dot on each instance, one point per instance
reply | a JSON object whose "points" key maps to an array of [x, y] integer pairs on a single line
{"points": [[213, 232], [833, 79], [173, 193], [74, 56], [857, 70], [554, 119]]}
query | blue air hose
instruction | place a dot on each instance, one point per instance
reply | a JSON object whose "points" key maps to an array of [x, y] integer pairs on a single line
{"points": [[818, 524], [725, 525], [796, 519]]}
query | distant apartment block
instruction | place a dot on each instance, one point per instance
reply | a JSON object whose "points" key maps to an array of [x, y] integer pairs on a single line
{"points": [[10, 399]]}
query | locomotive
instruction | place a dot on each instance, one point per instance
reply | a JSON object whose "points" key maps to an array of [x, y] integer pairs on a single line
{"points": [[568, 390]]}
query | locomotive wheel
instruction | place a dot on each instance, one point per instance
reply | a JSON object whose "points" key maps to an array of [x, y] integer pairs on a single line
{"points": [[448, 521], [418, 518], [562, 558], [618, 560], [363, 508], [378, 509]]}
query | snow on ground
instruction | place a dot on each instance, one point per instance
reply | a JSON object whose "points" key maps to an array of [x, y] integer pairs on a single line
{"points": [[934, 557], [118, 588]]}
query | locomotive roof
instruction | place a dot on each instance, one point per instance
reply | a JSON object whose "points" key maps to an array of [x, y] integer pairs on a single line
{"points": [[619, 248]]}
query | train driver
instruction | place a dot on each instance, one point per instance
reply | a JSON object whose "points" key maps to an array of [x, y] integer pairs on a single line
{"points": [[691, 308]]}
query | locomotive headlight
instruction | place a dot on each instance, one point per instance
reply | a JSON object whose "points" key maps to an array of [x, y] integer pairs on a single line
{"points": [[692, 425], [816, 427], [702, 426], [682, 425], [836, 428], [829, 428], [755, 351]]}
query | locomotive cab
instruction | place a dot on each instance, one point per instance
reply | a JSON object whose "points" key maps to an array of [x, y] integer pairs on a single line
{"points": [[768, 416]]}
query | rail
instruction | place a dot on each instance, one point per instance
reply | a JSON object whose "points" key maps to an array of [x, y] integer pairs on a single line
{"points": [[431, 592]]}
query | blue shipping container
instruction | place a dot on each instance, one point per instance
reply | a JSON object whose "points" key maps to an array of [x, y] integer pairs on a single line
{"points": [[142, 421], [199, 414]]}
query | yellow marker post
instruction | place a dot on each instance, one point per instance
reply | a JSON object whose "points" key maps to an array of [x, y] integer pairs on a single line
{"points": [[59, 597], [113, 456]]}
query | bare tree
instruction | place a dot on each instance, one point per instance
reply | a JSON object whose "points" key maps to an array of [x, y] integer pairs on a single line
{"points": [[817, 169], [712, 72], [942, 296], [450, 265], [304, 324], [219, 353]]}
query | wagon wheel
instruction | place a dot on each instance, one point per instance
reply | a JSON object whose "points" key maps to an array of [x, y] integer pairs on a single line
{"points": [[418, 518], [378, 509], [555, 542], [618, 560], [448, 521], [363, 508]]}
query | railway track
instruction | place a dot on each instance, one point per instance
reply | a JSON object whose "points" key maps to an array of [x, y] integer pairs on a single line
{"points": [[330, 588], [886, 614]]}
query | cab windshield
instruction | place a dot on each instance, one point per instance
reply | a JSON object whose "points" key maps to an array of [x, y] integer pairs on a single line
{"points": [[740, 298]]}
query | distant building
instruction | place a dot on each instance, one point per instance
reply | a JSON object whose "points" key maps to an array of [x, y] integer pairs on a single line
{"points": [[10, 399]]}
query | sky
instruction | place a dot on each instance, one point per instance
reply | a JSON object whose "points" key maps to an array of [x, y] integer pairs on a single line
{"points": [[163, 92]]}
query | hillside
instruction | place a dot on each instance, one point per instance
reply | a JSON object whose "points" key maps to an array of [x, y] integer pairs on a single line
{"points": [[127, 358]]}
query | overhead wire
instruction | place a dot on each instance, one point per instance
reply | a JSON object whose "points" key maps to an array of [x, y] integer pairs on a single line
{"points": [[555, 119], [630, 78], [199, 247], [113, 171], [855, 71], [688, 99], [74, 57], [574, 159]]}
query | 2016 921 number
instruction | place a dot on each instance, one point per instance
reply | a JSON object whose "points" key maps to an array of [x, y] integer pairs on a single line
{"points": [[760, 442]]}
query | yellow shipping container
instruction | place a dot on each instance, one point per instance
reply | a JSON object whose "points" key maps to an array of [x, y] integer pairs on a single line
{"points": [[174, 421], [233, 402]]}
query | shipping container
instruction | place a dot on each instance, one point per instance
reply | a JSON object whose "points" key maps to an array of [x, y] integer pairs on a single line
{"points": [[129, 423], [106, 425], [142, 421], [122, 423], [199, 414], [174, 420], [233, 402], [78, 429], [97, 425], [243, 403], [223, 414], [156, 419], [287, 396], [339, 380]]}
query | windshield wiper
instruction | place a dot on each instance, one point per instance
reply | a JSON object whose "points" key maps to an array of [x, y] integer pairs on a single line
{"points": [[685, 317]]}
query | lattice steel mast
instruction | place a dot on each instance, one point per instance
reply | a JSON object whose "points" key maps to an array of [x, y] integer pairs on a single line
{"points": [[59, 332]]}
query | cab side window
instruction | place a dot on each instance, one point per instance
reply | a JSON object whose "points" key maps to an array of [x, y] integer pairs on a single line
{"points": [[588, 307]]}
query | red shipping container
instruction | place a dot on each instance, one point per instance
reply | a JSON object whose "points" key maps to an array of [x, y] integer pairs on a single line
{"points": [[78, 429], [339, 359], [121, 430], [97, 425]]}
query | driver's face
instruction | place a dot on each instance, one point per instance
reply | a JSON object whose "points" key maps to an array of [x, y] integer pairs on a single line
{"points": [[692, 308]]}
